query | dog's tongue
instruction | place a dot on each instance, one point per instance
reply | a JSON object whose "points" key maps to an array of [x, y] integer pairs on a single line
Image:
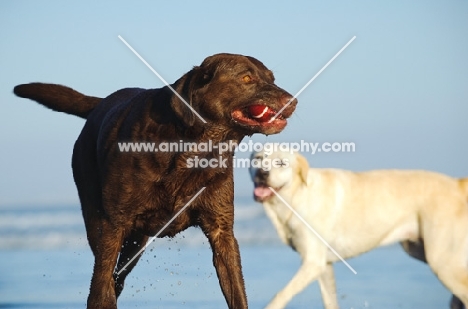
{"points": [[262, 191], [261, 113]]}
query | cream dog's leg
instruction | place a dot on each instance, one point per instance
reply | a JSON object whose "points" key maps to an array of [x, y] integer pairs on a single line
{"points": [[308, 272], [328, 288]]}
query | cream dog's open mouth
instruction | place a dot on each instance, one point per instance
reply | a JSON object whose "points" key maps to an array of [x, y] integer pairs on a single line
{"points": [[263, 192]]}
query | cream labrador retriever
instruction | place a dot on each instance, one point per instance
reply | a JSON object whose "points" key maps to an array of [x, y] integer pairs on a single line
{"points": [[356, 212]]}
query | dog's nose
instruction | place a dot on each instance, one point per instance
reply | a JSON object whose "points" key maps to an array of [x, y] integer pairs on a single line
{"points": [[262, 174], [288, 99], [289, 104]]}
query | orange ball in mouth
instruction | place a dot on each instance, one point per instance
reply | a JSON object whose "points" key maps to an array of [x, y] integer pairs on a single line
{"points": [[261, 113]]}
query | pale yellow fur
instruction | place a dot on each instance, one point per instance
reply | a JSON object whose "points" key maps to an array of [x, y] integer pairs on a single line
{"points": [[357, 212]]}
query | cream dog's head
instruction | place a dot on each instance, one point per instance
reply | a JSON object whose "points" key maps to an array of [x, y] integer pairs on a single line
{"points": [[276, 169]]}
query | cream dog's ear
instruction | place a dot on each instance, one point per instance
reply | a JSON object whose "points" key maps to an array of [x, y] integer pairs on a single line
{"points": [[303, 167]]}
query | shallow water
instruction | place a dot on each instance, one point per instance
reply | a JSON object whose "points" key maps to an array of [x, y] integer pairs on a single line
{"points": [[183, 277], [45, 263]]}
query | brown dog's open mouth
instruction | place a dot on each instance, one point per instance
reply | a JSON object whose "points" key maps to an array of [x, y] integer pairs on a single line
{"points": [[258, 115]]}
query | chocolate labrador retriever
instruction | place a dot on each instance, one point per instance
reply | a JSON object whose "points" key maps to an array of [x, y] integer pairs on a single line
{"points": [[128, 196]]}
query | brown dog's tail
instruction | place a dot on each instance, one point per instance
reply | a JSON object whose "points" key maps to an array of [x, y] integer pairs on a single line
{"points": [[58, 98]]}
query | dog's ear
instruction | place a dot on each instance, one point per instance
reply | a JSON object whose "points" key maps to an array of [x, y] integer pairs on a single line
{"points": [[187, 87], [303, 167]]}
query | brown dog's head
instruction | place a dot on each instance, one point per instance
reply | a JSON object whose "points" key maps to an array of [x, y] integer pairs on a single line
{"points": [[234, 91]]}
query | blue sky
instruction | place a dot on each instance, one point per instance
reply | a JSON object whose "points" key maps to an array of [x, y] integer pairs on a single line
{"points": [[399, 91]]}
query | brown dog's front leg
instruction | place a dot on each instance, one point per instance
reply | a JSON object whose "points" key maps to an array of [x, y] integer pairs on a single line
{"points": [[107, 244], [226, 259]]}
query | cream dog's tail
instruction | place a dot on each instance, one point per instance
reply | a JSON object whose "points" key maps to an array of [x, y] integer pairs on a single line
{"points": [[58, 98], [464, 185]]}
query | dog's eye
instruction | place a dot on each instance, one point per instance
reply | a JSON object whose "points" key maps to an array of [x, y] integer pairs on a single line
{"points": [[246, 79]]}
